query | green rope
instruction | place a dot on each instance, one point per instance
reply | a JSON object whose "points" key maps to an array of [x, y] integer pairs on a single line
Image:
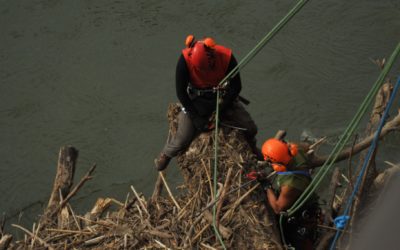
{"points": [[231, 74], [215, 172], [264, 41], [345, 136]]}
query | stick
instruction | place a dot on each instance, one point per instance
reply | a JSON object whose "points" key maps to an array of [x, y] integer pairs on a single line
{"points": [[233, 190], [158, 187], [140, 201], [223, 194], [162, 245], [67, 231], [73, 216], [216, 200], [180, 213], [169, 191], [75, 190], [5, 240], [318, 142], [95, 240], [2, 223], [35, 232], [159, 234], [188, 235], [244, 196], [44, 243], [349, 173], [209, 179], [200, 233], [95, 222], [207, 246]]}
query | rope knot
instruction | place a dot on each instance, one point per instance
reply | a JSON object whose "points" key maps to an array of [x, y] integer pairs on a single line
{"points": [[341, 221]]}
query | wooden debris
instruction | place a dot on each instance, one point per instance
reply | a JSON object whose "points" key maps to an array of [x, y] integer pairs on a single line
{"points": [[5, 241], [176, 220]]}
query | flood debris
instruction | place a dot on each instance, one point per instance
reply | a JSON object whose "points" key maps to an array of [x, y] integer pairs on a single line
{"points": [[182, 218]]}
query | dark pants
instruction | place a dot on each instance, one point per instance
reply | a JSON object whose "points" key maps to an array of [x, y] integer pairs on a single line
{"points": [[236, 116], [300, 230]]}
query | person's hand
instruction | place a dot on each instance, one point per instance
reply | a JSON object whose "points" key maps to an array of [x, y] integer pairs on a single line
{"points": [[261, 178], [253, 175]]}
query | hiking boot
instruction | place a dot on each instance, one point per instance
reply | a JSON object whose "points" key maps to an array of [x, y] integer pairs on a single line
{"points": [[162, 162]]}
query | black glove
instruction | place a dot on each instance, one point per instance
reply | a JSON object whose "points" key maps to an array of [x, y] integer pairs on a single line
{"points": [[265, 184], [200, 123]]}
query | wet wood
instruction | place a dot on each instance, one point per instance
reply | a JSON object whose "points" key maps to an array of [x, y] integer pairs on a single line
{"points": [[384, 177], [5, 241], [64, 176], [331, 194], [74, 191], [380, 105], [62, 183]]}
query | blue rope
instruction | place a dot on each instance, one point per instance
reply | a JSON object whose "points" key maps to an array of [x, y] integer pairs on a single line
{"points": [[302, 172], [341, 221]]}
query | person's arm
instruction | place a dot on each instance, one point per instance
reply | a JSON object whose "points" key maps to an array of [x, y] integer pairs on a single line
{"points": [[286, 199], [181, 83], [234, 87]]}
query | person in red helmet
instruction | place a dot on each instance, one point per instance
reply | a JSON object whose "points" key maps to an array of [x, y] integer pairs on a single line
{"points": [[288, 160], [200, 68]]}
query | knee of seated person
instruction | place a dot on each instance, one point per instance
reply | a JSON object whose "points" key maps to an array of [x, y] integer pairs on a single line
{"points": [[251, 130]]}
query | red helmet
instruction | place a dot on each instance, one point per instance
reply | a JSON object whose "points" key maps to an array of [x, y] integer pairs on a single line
{"points": [[202, 52], [278, 152]]}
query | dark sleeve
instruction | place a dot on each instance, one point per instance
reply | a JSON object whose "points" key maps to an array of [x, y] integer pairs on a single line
{"points": [[181, 84], [235, 85]]}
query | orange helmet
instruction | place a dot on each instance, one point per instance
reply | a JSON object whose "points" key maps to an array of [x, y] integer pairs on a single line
{"points": [[202, 52], [279, 153]]}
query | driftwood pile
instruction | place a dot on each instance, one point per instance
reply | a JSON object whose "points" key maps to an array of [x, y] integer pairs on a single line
{"points": [[183, 220], [165, 220]]}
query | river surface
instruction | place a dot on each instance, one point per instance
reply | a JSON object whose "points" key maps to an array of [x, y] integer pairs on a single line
{"points": [[99, 75]]}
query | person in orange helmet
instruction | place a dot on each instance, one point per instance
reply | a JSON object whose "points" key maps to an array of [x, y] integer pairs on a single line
{"points": [[287, 159], [200, 68]]}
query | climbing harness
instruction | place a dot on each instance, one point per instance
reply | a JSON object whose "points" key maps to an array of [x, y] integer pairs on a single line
{"points": [[302, 172], [343, 139], [225, 80], [209, 92], [341, 221]]}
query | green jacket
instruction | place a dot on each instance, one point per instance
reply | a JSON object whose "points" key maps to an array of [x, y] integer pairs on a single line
{"points": [[295, 180]]}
